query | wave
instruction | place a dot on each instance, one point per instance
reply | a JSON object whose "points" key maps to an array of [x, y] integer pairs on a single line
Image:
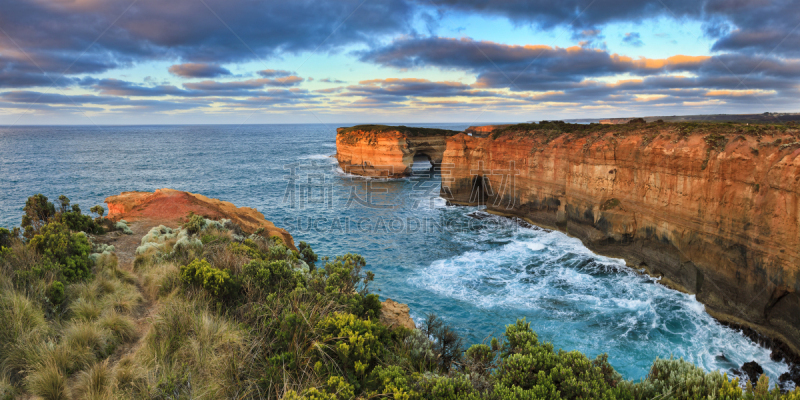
{"points": [[561, 286], [318, 157]]}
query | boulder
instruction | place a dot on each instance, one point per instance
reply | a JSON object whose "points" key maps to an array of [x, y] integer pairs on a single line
{"points": [[394, 314]]}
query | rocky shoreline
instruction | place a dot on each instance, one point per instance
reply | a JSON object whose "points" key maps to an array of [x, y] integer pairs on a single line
{"points": [[711, 209]]}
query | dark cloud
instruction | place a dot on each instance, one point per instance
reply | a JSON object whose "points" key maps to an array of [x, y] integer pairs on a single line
{"points": [[52, 39], [410, 87], [756, 26], [272, 73], [198, 70], [116, 87], [329, 80], [249, 84], [633, 39], [554, 68], [57, 99]]}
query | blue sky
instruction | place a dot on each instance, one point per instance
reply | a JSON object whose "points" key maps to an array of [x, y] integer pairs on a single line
{"points": [[398, 61]]}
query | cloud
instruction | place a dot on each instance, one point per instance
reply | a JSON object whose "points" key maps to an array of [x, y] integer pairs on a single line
{"points": [[198, 70], [271, 73], [756, 26], [633, 39], [80, 37], [209, 85], [55, 99]]}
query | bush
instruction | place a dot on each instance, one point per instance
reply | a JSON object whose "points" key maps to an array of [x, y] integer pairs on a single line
{"points": [[355, 343], [216, 281], [195, 224], [271, 276], [38, 212], [123, 226], [78, 222], [69, 251], [55, 292], [447, 344], [529, 366], [307, 255]]}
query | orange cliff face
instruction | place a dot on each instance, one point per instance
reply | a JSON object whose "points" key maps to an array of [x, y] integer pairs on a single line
{"points": [[167, 206], [387, 151], [713, 214]]}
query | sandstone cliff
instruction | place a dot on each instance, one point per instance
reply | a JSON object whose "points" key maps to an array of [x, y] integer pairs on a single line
{"points": [[483, 131], [711, 208], [171, 206], [387, 151]]}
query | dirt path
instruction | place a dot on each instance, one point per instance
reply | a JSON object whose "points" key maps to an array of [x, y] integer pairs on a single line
{"points": [[125, 249]]}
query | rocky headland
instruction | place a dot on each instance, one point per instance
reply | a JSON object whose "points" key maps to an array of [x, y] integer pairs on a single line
{"points": [[388, 151], [169, 207], [711, 209]]}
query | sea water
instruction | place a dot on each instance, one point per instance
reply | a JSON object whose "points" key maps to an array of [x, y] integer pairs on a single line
{"points": [[478, 274]]}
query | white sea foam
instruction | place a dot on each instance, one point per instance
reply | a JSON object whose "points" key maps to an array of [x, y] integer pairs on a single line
{"points": [[567, 288], [318, 157]]}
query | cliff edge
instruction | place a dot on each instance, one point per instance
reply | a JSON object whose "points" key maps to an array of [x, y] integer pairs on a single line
{"points": [[169, 206], [713, 209]]}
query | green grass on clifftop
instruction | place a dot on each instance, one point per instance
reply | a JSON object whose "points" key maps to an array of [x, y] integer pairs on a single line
{"points": [[549, 130], [406, 130]]}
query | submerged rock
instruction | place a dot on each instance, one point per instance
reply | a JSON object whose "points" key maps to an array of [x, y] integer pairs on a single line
{"points": [[753, 371]]}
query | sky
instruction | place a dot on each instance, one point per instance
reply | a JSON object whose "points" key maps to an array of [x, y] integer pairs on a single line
{"points": [[392, 61]]}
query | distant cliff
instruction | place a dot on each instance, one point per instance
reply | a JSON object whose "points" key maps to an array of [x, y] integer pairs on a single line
{"points": [[387, 151], [713, 209]]}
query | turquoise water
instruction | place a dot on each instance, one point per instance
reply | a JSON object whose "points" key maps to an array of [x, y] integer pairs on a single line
{"points": [[479, 275]]}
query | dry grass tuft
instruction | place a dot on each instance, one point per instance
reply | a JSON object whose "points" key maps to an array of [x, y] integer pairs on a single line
{"points": [[191, 350], [48, 382], [94, 383]]}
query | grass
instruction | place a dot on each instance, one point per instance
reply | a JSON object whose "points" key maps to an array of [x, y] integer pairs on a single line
{"points": [[61, 351], [406, 130], [96, 382], [547, 131], [190, 350], [283, 331], [48, 382]]}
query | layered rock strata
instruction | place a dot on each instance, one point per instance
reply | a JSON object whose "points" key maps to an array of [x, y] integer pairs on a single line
{"points": [[388, 151], [711, 209]]}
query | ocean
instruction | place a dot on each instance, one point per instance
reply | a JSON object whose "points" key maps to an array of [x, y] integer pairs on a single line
{"points": [[478, 274]]}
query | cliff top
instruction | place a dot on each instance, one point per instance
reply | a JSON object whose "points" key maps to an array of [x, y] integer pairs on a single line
{"points": [[405, 130], [170, 206], [716, 131]]}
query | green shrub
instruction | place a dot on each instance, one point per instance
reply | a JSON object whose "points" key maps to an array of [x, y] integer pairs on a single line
{"points": [[195, 224], [216, 281], [5, 237], [99, 210], [307, 255], [448, 388], [447, 344], [355, 343], [683, 380], [38, 212], [78, 222], [69, 251], [55, 292], [528, 365], [271, 276]]}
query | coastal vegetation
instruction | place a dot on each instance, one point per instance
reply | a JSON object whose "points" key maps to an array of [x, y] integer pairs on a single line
{"points": [[406, 130], [714, 132], [209, 311]]}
